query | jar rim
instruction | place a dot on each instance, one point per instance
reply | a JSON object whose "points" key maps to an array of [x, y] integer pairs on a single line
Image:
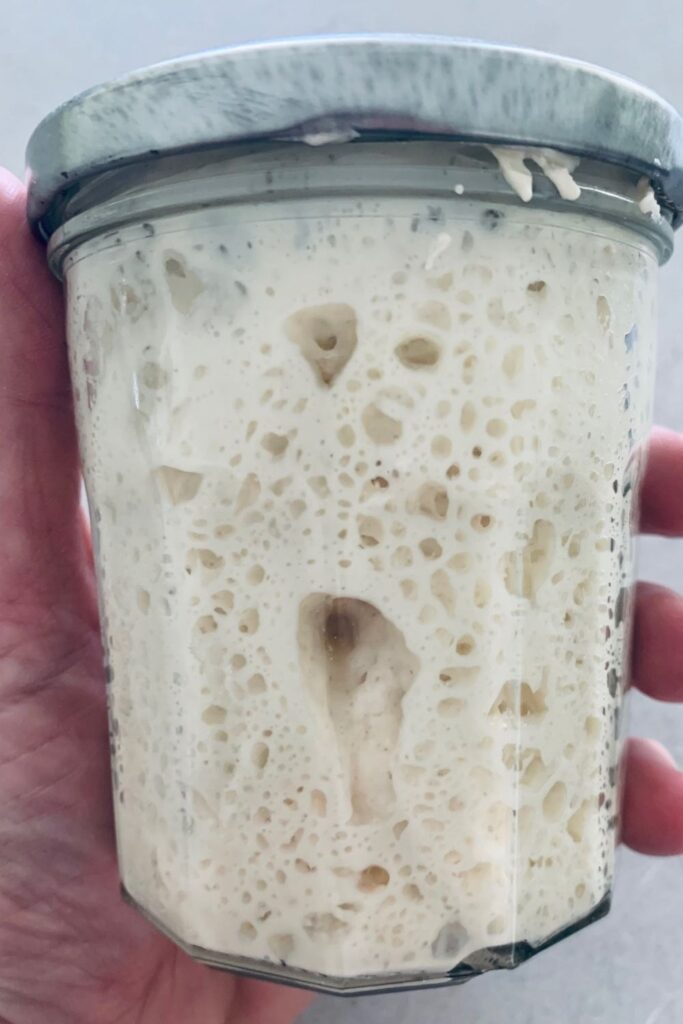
{"points": [[338, 88], [266, 179]]}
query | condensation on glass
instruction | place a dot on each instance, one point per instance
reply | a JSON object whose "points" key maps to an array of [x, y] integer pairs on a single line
{"points": [[362, 433]]}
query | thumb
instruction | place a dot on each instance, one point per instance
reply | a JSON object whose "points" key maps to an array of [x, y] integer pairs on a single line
{"points": [[41, 540]]}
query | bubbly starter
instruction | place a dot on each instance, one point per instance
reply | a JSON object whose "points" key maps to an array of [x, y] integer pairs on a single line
{"points": [[362, 476]]}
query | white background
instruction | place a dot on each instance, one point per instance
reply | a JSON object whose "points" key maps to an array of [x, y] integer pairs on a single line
{"points": [[629, 968]]}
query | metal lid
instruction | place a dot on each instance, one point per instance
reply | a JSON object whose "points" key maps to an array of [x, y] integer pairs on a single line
{"points": [[334, 88]]}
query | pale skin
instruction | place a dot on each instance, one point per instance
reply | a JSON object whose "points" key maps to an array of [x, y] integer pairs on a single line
{"points": [[70, 951]]}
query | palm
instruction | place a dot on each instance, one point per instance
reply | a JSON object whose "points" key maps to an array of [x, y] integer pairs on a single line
{"points": [[59, 892], [70, 950]]}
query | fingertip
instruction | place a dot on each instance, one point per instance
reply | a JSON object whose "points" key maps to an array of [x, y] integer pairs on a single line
{"points": [[665, 435], [657, 753], [652, 813], [11, 188], [661, 504], [658, 642]]}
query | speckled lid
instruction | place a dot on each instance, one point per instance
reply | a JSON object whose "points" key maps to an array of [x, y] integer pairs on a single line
{"points": [[343, 87]]}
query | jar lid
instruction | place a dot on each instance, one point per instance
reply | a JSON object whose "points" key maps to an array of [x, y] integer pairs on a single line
{"points": [[333, 89]]}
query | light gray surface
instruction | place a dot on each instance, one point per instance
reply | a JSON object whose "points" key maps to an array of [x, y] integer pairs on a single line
{"points": [[627, 969]]}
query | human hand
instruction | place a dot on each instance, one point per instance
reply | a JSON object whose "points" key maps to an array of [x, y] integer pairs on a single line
{"points": [[70, 951]]}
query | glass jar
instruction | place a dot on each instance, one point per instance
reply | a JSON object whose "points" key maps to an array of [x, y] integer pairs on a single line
{"points": [[362, 424]]}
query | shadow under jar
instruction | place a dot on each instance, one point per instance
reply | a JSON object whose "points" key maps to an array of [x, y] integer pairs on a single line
{"points": [[363, 407]]}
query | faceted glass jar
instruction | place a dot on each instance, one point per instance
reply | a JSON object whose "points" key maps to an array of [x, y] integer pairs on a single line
{"points": [[362, 434]]}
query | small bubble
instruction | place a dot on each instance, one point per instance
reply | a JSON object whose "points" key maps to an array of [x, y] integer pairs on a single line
{"points": [[183, 283], [248, 492], [281, 946], [430, 548], [260, 754], [370, 531], [153, 376], [346, 436], [214, 715], [432, 501], [372, 878], [451, 707], [223, 601], [418, 353], [513, 361], [468, 416], [604, 312], [465, 645], [380, 427], [319, 803], [491, 219], [275, 444], [496, 428], [256, 684], [207, 624], [442, 590], [450, 940], [461, 561], [555, 801], [631, 338], [249, 621], [179, 485], [441, 446], [326, 337], [319, 485]]}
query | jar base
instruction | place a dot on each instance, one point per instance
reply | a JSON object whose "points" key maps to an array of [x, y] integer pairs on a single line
{"points": [[490, 959]]}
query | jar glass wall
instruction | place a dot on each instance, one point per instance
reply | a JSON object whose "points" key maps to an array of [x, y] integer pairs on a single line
{"points": [[362, 436]]}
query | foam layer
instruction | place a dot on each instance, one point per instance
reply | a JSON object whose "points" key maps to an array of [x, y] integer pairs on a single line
{"points": [[362, 478]]}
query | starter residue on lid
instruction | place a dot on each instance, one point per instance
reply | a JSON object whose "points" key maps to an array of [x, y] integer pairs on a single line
{"points": [[557, 167], [647, 201], [329, 138]]}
